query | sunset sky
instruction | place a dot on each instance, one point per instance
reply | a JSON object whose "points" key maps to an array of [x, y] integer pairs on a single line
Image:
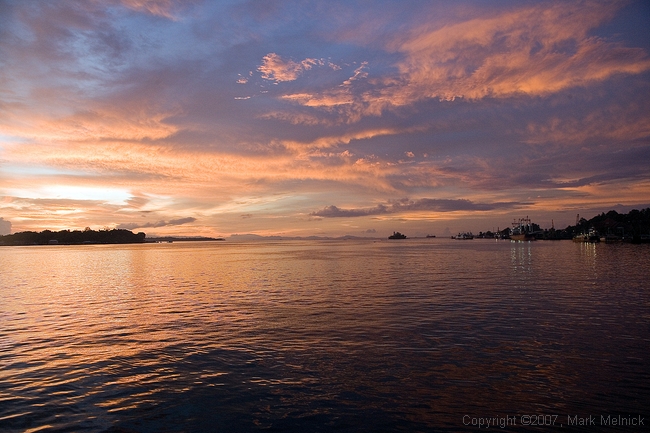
{"points": [[326, 118]]}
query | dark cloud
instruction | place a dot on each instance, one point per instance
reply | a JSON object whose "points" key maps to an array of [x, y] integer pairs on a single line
{"points": [[334, 212], [174, 222], [405, 205]]}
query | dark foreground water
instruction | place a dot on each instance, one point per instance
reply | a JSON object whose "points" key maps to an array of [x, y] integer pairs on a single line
{"points": [[415, 335]]}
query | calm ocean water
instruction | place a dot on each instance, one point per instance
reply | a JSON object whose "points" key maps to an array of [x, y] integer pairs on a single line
{"points": [[415, 335]]}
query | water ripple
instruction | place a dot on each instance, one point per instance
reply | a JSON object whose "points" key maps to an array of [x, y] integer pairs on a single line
{"points": [[317, 336]]}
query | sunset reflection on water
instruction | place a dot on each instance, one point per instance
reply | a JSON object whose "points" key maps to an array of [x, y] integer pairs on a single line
{"points": [[354, 335]]}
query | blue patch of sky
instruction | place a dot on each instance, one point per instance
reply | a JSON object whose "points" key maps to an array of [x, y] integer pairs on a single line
{"points": [[10, 139], [157, 41], [91, 67], [131, 41], [31, 170], [19, 32], [436, 144], [15, 35], [630, 26]]}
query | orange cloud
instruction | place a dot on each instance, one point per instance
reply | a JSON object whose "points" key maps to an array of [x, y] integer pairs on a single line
{"points": [[535, 51], [189, 173], [337, 140], [91, 124], [163, 8]]}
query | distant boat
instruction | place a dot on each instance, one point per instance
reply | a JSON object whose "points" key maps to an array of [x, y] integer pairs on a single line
{"points": [[397, 235], [431, 236], [522, 230], [591, 236], [464, 236], [609, 238]]}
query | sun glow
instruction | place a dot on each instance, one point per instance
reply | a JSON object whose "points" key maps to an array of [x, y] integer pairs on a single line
{"points": [[69, 192]]}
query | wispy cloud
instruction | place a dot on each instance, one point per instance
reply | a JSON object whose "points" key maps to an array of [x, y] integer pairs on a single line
{"points": [[617, 122], [277, 69], [532, 50], [162, 8], [90, 125]]}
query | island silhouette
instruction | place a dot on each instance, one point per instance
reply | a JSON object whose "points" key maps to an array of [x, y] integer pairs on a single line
{"points": [[75, 237], [89, 237]]}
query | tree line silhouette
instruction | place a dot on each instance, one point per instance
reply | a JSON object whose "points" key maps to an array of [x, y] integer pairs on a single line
{"points": [[634, 223], [75, 237]]}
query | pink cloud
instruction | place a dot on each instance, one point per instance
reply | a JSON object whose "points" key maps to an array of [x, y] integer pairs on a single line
{"points": [[533, 51], [275, 68], [162, 8]]}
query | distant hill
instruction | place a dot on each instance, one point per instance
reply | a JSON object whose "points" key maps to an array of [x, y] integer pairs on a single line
{"points": [[182, 239], [254, 237]]}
